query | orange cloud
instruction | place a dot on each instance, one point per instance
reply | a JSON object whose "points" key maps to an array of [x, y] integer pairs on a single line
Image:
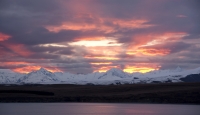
{"points": [[154, 52], [133, 23], [19, 49], [71, 26], [16, 63], [4, 37], [153, 39], [77, 7], [137, 47], [85, 19], [29, 69], [100, 25], [149, 51], [80, 26], [150, 40]]}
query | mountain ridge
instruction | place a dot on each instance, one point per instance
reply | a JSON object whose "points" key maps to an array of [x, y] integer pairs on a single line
{"points": [[112, 76]]}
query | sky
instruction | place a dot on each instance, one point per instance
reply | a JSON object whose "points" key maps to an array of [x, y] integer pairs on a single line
{"points": [[85, 36]]}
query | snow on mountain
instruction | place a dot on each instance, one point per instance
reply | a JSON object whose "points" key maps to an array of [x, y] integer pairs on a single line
{"points": [[112, 76], [41, 76], [4, 79], [116, 73], [6, 71], [7, 76], [178, 69], [163, 76]]}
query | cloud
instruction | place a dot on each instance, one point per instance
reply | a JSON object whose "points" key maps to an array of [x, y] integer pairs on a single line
{"points": [[4, 37], [96, 35]]}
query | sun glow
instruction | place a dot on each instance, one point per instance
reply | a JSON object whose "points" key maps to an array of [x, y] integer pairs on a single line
{"points": [[103, 42], [141, 70], [132, 69], [96, 38]]}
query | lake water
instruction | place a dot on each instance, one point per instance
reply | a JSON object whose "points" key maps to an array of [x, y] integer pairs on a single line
{"points": [[96, 109]]}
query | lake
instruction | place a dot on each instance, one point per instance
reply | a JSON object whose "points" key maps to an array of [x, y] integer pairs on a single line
{"points": [[96, 109]]}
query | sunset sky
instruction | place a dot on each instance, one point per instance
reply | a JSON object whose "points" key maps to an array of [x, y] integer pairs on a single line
{"points": [[84, 36]]}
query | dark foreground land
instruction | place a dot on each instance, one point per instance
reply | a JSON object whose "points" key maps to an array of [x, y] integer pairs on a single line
{"points": [[135, 93]]}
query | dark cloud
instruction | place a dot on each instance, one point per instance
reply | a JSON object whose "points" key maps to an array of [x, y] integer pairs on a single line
{"points": [[42, 36]]}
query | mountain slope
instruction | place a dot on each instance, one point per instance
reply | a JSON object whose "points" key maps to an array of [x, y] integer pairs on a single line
{"points": [[41, 76], [7, 76]]}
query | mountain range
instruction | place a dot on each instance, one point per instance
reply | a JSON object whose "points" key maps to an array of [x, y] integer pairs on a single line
{"points": [[112, 76]]}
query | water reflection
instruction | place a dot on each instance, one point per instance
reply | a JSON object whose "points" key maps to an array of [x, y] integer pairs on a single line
{"points": [[96, 109]]}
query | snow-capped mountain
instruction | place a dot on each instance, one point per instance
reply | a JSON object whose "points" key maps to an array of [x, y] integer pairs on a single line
{"points": [[8, 76], [114, 72], [40, 76], [112, 76]]}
